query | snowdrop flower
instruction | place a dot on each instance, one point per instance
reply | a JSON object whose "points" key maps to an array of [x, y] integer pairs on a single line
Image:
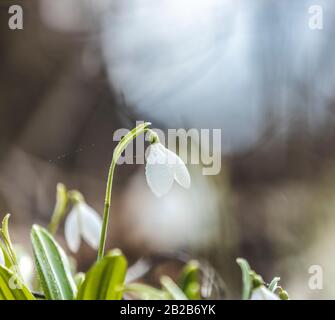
{"points": [[162, 168], [82, 221], [263, 293]]}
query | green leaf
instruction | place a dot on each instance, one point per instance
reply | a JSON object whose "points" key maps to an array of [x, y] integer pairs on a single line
{"points": [[52, 266], [130, 136], [7, 259], [4, 227], [246, 279], [274, 284], [190, 280], [60, 208], [11, 287], [172, 288], [7, 246], [145, 292], [106, 279]]}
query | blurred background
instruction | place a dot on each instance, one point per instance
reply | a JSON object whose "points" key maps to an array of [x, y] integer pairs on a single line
{"points": [[81, 69]]}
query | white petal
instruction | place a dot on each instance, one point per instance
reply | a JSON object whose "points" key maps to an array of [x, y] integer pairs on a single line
{"points": [[72, 231], [158, 173], [26, 267], [181, 173], [2, 259], [90, 225], [156, 154], [262, 293]]}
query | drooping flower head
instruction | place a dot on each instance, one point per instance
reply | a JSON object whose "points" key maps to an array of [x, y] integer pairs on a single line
{"points": [[163, 167], [82, 222]]}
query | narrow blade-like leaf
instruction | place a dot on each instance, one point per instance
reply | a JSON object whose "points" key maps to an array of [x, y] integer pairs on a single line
{"points": [[246, 280], [105, 280], [5, 255], [52, 266], [7, 246]]}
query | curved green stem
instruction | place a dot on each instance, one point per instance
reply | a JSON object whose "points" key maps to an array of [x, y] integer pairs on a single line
{"points": [[129, 137], [106, 210]]}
